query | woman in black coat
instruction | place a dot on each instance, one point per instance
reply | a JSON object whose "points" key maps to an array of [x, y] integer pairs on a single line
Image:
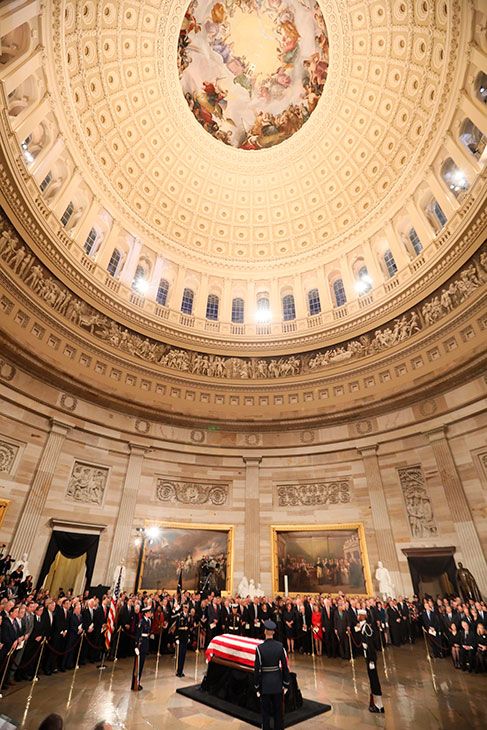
{"points": [[481, 654], [289, 618], [468, 644]]}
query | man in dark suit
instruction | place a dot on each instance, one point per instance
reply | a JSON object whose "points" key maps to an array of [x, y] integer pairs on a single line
{"points": [[468, 645], [33, 644], [90, 627], [341, 624], [271, 677], [48, 627], [213, 614], [394, 620], [328, 627], [403, 609], [9, 638], [432, 625], [254, 619], [75, 629], [60, 631]]}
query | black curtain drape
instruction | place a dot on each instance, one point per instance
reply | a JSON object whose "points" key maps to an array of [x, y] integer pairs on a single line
{"points": [[71, 545], [432, 567]]}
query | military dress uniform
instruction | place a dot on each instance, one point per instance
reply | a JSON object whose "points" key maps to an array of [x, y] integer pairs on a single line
{"points": [[271, 677], [233, 621], [184, 624], [142, 635], [370, 655]]}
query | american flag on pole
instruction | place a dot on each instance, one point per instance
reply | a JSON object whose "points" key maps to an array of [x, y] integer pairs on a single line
{"points": [[112, 612]]}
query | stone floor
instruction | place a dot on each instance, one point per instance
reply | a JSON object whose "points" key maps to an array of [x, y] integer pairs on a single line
{"points": [[416, 695]]}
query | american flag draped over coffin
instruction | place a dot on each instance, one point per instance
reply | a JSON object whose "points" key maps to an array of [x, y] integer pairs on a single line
{"points": [[231, 649]]}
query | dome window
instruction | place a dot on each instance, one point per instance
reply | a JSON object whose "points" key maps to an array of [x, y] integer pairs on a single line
{"points": [[114, 263], [65, 218], [212, 306], [89, 245], [288, 308], [415, 242], [339, 293], [162, 292], [238, 310], [187, 301], [314, 303], [390, 263]]}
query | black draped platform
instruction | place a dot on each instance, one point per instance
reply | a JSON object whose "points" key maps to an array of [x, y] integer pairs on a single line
{"points": [[231, 691]]}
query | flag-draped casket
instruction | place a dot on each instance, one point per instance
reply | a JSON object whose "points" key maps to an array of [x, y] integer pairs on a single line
{"points": [[229, 650]]}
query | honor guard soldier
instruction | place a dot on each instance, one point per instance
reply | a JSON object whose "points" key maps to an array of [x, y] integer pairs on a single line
{"points": [[184, 624], [233, 621], [142, 635], [370, 654], [271, 677]]}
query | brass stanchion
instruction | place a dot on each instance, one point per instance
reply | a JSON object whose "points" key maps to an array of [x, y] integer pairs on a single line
{"points": [[36, 678], [351, 650], [159, 644], [352, 660], [119, 631], [433, 678], [383, 654], [76, 666], [198, 640], [7, 662], [176, 655]]}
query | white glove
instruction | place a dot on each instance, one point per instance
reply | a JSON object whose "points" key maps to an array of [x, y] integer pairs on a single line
{"points": [[177, 642], [137, 652]]}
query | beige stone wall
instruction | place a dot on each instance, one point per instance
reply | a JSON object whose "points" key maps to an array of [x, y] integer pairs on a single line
{"points": [[252, 462]]}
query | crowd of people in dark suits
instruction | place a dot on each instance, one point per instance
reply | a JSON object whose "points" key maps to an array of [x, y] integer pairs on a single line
{"points": [[66, 630]]}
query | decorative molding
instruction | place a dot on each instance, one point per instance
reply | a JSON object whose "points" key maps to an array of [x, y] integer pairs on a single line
{"points": [[4, 503], [169, 490], [314, 493], [68, 402], [142, 426], [78, 527], [418, 503], [87, 483], [197, 436]]}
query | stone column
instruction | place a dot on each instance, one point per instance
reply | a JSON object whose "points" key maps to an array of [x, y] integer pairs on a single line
{"points": [[28, 525], [126, 511], [252, 518], [131, 262], [380, 517], [468, 539]]}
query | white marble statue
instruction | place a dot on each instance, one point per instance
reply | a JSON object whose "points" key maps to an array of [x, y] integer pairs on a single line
{"points": [[25, 563], [258, 591], [383, 577], [243, 588], [116, 573]]}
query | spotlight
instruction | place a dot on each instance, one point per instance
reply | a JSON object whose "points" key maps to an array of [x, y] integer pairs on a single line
{"points": [[153, 532], [263, 316], [141, 285], [363, 284]]}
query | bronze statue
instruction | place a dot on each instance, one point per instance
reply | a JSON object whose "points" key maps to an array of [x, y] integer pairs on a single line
{"points": [[467, 584]]}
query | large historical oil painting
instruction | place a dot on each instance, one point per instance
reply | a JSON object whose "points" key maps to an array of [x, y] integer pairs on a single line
{"points": [[324, 559], [203, 554], [252, 71]]}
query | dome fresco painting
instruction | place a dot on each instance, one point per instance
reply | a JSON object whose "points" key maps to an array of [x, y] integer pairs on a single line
{"points": [[252, 72]]}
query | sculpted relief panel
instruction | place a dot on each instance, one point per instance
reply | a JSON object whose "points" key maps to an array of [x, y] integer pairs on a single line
{"points": [[170, 490], [315, 493], [418, 504], [87, 483], [78, 313], [8, 454]]}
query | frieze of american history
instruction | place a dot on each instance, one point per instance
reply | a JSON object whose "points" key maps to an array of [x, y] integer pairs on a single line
{"points": [[24, 264]]}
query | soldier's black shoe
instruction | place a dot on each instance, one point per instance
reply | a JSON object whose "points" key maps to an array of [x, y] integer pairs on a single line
{"points": [[140, 687], [373, 708]]}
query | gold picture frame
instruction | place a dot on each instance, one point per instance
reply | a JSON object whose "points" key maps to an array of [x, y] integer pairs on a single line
{"points": [[276, 530], [203, 527], [4, 503]]}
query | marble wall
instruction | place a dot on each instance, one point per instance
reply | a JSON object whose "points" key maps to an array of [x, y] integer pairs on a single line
{"points": [[82, 464]]}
